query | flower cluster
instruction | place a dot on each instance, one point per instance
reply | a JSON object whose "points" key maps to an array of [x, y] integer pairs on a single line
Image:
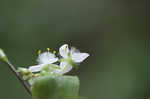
{"points": [[49, 64]]}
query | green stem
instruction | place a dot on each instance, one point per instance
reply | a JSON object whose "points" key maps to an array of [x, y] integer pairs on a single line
{"points": [[24, 83]]}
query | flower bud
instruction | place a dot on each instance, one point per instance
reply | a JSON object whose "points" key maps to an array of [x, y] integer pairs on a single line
{"points": [[3, 57]]}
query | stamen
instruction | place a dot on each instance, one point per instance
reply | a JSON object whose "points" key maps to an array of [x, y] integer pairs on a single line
{"points": [[39, 52], [54, 52], [48, 49]]}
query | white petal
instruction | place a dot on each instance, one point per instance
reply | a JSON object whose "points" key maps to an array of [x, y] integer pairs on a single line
{"points": [[36, 68], [65, 67], [74, 50], [64, 50], [47, 58], [79, 57]]}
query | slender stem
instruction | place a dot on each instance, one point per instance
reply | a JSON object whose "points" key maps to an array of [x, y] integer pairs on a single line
{"points": [[24, 83]]}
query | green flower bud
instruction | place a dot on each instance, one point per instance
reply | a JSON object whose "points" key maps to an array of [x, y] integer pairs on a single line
{"points": [[25, 73], [3, 57], [23, 70]]}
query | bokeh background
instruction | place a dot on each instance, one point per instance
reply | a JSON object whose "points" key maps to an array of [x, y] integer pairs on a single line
{"points": [[114, 32]]}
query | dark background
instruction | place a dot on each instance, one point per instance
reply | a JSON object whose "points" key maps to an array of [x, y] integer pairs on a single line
{"points": [[114, 32]]}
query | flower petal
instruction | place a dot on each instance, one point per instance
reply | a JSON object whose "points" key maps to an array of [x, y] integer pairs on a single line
{"points": [[36, 68], [79, 57], [47, 58], [74, 50], [65, 67], [64, 50]]}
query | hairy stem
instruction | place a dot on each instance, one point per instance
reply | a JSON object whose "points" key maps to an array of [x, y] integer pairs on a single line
{"points": [[24, 83]]}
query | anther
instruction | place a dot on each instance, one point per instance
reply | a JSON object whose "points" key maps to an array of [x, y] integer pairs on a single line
{"points": [[54, 52], [48, 49], [39, 52]]}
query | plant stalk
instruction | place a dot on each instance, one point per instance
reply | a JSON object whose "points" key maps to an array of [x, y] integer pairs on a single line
{"points": [[24, 83]]}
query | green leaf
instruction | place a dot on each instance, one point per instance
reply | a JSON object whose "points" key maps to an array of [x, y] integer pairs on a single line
{"points": [[56, 87]]}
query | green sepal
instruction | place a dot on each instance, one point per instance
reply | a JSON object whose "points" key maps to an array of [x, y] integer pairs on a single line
{"points": [[70, 61], [56, 87]]}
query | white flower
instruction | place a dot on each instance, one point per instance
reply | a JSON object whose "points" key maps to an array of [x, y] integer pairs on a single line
{"points": [[47, 58], [75, 55], [69, 59], [43, 60]]}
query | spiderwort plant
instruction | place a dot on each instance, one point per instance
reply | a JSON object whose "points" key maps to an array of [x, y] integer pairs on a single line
{"points": [[47, 79]]}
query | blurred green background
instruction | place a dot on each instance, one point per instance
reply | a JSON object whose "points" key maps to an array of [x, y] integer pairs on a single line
{"points": [[114, 32]]}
